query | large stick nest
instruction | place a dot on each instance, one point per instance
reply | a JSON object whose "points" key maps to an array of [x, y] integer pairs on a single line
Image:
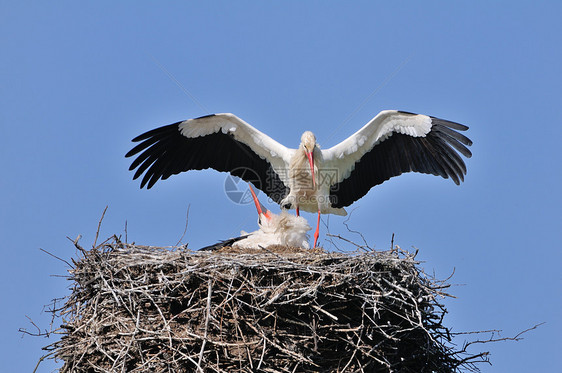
{"points": [[138, 309]]}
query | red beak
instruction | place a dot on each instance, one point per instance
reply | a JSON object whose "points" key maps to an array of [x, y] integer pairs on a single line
{"points": [[262, 210], [311, 161]]}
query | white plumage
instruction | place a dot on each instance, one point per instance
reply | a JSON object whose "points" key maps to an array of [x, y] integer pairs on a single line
{"points": [[281, 229], [278, 229], [307, 178]]}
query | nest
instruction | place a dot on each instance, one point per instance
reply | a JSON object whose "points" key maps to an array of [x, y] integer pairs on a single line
{"points": [[138, 309]]}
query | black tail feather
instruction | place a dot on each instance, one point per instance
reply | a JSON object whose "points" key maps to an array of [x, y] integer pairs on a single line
{"points": [[222, 244]]}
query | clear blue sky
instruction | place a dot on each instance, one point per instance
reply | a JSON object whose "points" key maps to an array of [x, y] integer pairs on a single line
{"points": [[78, 81]]}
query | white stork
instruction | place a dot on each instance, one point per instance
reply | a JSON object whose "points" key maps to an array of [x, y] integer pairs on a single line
{"points": [[275, 229], [307, 178]]}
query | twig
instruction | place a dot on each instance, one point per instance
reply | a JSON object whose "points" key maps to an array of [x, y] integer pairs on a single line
{"points": [[49, 355], [348, 241], [56, 257], [186, 222], [39, 332], [207, 318], [516, 338], [99, 226], [356, 232]]}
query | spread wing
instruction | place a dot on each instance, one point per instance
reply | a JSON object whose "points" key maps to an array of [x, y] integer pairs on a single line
{"points": [[223, 142], [392, 143]]}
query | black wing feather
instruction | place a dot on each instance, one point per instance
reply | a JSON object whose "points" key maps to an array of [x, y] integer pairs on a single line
{"points": [[164, 152], [222, 244], [437, 153]]}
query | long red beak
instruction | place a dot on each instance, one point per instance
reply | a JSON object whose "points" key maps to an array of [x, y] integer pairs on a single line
{"points": [[262, 210], [311, 161]]}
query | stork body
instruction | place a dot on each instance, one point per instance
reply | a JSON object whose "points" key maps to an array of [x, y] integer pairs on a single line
{"points": [[281, 229], [307, 178], [278, 229]]}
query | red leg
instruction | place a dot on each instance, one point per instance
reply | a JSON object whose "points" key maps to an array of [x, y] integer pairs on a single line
{"points": [[317, 233], [298, 211]]}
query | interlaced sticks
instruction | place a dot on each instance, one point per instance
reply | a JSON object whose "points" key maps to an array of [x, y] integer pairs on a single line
{"points": [[135, 308]]}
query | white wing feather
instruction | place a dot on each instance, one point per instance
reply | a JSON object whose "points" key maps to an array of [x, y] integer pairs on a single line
{"points": [[344, 155], [264, 146]]}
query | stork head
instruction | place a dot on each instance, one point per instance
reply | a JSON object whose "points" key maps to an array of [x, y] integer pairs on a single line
{"points": [[308, 143]]}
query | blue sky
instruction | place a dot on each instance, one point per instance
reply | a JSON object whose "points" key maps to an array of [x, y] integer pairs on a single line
{"points": [[79, 81]]}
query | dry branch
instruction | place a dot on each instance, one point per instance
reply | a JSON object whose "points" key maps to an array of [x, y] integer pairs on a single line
{"points": [[137, 309]]}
